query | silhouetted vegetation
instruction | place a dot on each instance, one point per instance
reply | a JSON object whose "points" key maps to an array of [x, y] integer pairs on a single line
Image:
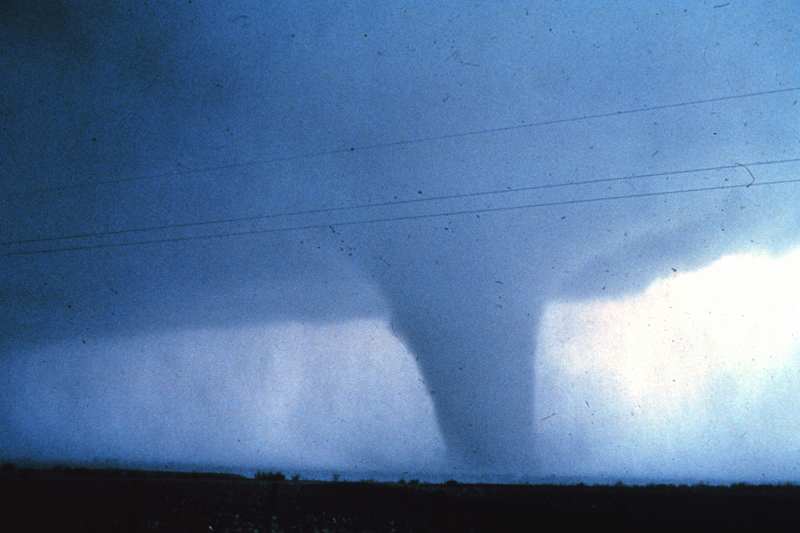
{"points": [[270, 476]]}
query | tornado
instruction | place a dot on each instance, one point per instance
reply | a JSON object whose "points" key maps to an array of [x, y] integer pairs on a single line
{"points": [[477, 362], [467, 310]]}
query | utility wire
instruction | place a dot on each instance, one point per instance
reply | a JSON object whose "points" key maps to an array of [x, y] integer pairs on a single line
{"points": [[404, 142], [353, 207], [401, 218]]}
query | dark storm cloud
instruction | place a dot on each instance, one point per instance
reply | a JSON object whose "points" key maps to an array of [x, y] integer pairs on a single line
{"points": [[140, 90]]}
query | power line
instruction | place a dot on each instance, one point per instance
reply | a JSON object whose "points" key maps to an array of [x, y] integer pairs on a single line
{"points": [[402, 218], [508, 190], [406, 142]]}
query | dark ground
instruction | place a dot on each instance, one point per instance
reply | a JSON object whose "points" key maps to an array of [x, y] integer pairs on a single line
{"points": [[122, 500]]}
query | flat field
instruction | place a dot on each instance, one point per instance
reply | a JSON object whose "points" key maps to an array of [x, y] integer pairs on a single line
{"points": [[126, 500]]}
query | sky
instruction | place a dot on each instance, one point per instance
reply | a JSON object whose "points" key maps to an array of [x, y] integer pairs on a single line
{"points": [[542, 238]]}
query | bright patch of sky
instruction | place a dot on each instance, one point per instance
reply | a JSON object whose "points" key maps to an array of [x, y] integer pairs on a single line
{"points": [[696, 376]]}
